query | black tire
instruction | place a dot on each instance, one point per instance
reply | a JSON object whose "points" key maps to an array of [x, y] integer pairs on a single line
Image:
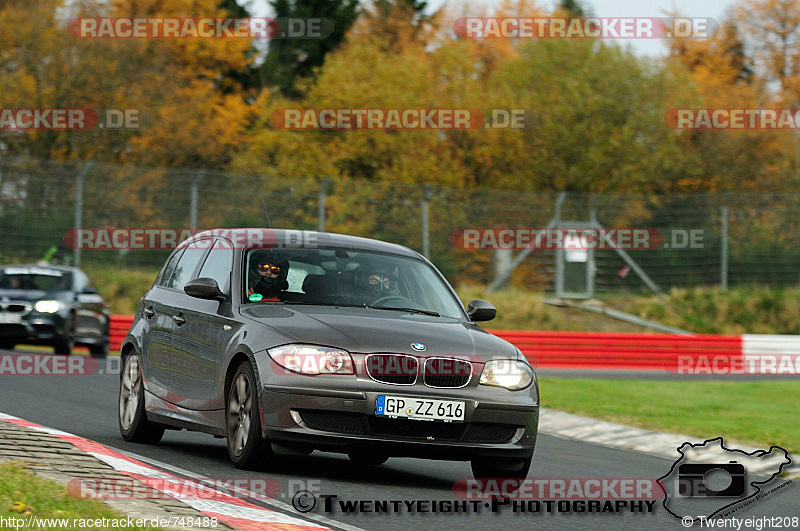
{"points": [[99, 351], [501, 468], [133, 422], [246, 448], [367, 458], [64, 345], [7, 345]]}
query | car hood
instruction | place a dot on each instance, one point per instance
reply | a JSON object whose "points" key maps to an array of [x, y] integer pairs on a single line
{"points": [[363, 330]]}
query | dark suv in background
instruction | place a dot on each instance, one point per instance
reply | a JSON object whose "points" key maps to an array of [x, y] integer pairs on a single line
{"points": [[52, 305]]}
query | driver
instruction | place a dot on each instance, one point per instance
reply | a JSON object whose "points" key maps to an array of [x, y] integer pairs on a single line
{"points": [[380, 281], [268, 278]]}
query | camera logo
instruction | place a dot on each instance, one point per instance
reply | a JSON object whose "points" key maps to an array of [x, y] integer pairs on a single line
{"points": [[700, 480], [710, 480]]}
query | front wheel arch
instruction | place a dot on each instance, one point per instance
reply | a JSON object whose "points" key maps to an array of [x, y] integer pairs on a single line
{"points": [[233, 365], [126, 350]]}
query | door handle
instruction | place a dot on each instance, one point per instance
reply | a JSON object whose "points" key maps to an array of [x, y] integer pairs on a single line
{"points": [[179, 320], [149, 312]]}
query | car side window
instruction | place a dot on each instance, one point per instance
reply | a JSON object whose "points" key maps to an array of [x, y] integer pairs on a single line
{"points": [[186, 266], [169, 269], [218, 265]]}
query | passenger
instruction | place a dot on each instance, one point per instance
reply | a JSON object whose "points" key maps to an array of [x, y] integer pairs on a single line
{"points": [[268, 279]]}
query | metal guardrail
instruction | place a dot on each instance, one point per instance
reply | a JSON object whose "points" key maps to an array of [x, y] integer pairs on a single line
{"points": [[607, 350], [620, 351]]}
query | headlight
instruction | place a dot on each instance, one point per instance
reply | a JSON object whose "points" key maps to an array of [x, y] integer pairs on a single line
{"points": [[513, 375], [47, 306], [310, 359]]}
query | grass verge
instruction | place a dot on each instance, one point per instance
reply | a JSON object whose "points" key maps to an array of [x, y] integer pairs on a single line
{"points": [[23, 495], [121, 288], [759, 413]]}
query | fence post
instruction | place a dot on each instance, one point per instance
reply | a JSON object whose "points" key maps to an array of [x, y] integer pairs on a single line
{"points": [[427, 193], [79, 209], [324, 190], [193, 207], [723, 269], [503, 276], [502, 263]]}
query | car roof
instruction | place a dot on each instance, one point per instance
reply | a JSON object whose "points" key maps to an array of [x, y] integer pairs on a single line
{"points": [[47, 266], [322, 239]]}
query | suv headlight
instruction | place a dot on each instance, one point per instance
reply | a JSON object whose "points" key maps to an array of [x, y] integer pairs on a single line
{"points": [[510, 374], [311, 359], [47, 306]]}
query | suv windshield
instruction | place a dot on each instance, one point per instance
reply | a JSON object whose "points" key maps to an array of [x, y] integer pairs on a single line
{"points": [[339, 277], [31, 278]]}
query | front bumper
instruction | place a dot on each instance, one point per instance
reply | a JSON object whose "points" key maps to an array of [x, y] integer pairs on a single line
{"points": [[344, 420], [33, 328]]}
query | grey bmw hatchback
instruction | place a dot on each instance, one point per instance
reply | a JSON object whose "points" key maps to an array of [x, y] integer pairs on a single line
{"points": [[290, 341]]}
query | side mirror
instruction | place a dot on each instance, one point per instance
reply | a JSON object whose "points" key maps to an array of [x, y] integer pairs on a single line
{"points": [[88, 290], [204, 288], [479, 310]]}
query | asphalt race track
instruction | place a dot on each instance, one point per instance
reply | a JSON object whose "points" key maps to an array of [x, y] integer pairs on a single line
{"points": [[86, 406]]}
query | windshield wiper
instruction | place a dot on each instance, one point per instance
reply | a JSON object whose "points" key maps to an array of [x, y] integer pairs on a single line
{"points": [[343, 305], [349, 305], [408, 310]]}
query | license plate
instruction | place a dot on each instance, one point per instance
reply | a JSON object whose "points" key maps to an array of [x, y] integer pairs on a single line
{"points": [[419, 408], [10, 318]]}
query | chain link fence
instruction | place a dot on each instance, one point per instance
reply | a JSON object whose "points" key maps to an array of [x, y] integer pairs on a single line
{"points": [[745, 238]]}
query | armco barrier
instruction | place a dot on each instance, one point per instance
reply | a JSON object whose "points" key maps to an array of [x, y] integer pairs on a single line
{"points": [[611, 350], [587, 350], [119, 326], [699, 354]]}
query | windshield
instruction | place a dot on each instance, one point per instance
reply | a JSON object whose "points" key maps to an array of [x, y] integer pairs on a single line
{"points": [[339, 277], [35, 279]]}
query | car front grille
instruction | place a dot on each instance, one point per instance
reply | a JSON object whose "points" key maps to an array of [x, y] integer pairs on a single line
{"points": [[15, 307], [419, 430], [447, 372], [396, 369]]}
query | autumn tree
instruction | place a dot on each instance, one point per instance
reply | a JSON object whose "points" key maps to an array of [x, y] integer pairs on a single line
{"points": [[397, 24], [773, 31], [598, 115], [721, 74], [192, 113], [291, 59]]}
